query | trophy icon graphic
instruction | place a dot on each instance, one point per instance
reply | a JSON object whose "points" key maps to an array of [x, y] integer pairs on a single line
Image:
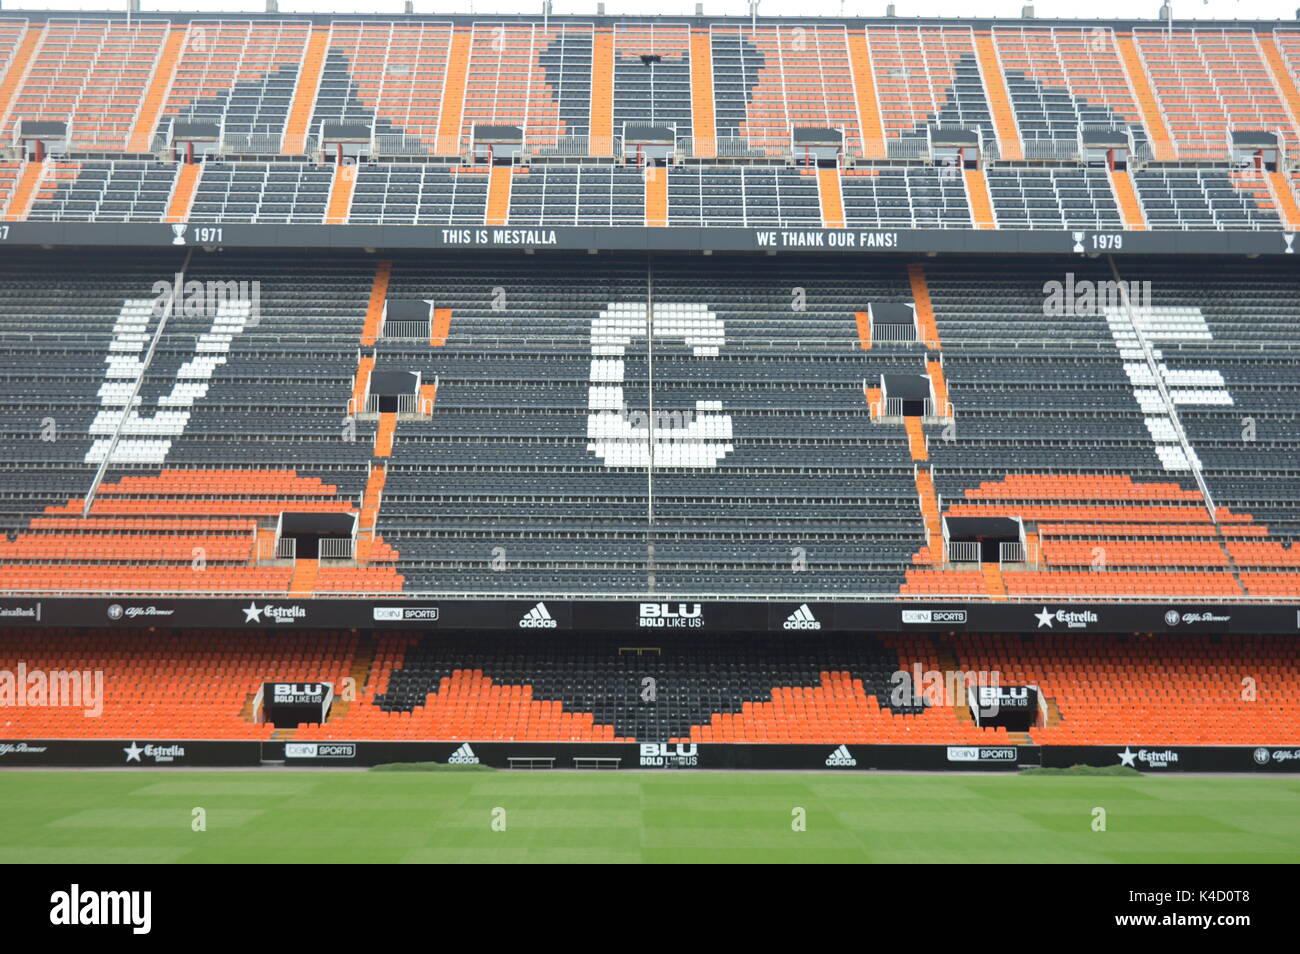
{"points": [[178, 231], [1289, 238], [1078, 241]]}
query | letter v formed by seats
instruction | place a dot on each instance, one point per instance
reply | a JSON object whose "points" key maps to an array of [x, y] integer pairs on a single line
{"points": [[147, 440], [621, 438]]}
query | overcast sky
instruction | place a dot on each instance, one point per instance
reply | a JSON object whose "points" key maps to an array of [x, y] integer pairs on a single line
{"points": [[1183, 9]]}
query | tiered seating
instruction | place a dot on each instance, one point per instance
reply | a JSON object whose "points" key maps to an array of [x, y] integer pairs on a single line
{"points": [[1120, 690], [904, 197], [1247, 444], [927, 75], [578, 195], [1164, 542], [240, 74], [703, 690], [9, 174], [387, 75], [1048, 198], [521, 74], [1134, 691], [224, 443], [658, 94], [91, 74], [1210, 81], [168, 686], [742, 196], [419, 195], [11, 36], [1061, 79], [1185, 198], [161, 534], [121, 191], [262, 192], [1071, 419], [770, 80]]}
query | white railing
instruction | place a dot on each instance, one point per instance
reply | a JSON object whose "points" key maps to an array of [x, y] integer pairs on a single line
{"points": [[407, 404], [406, 330], [1011, 552], [893, 333], [286, 548], [256, 144], [909, 148], [336, 548], [573, 146], [531, 596], [1060, 150], [963, 551], [723, 147]]}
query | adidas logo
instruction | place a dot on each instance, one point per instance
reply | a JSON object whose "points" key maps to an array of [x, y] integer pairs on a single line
{"points": [[463, 756], [539, 617], [841, 757], [802, 618]]}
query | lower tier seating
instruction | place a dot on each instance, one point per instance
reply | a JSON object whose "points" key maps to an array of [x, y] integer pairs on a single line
{"points": [[823, 689]]}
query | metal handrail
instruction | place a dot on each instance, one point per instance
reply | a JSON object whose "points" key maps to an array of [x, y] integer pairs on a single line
{"points": [[587, 596]]}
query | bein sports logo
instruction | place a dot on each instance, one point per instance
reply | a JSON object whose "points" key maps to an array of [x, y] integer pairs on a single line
{"points": [[397, 614], [539, 617], [666, 616]]}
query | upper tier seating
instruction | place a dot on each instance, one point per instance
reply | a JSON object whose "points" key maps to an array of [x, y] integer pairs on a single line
{"points": [[241, 75], [1062, 79], [91, 74], [770, 80], [388, 75], [928, 75], [657, 93], [526, 472], [1210, 81]]}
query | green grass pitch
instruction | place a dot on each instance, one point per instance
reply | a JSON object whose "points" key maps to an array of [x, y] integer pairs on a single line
{"points": [[77, 817]]}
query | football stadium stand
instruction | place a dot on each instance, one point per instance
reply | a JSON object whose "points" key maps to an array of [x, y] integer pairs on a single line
{"points": [[396, 334]]}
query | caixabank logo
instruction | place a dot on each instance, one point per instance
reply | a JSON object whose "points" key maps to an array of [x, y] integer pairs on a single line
{"points": [[670, 616], [669, 755]]}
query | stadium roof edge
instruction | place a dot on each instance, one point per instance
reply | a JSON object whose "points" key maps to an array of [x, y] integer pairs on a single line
{"points": [[464, 19]]}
